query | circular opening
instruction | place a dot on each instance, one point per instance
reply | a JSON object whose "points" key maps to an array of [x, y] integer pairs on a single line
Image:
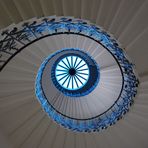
{"points": [[72, 72]]}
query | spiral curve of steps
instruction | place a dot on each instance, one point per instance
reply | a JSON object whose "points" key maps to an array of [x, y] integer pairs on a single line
{"points": [[23, 124]]}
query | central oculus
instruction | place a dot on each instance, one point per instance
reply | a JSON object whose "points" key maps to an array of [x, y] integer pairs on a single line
{"points": [[72, 72]]}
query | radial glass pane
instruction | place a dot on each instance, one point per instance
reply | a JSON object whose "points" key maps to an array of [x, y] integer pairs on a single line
{"points": [[72, 72]]}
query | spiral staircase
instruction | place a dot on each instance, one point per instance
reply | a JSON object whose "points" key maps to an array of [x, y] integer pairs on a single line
{"points": [[23, 123]]}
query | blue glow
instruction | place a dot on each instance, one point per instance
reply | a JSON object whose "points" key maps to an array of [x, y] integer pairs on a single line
{"points": [[70, 85], [72, 72]]}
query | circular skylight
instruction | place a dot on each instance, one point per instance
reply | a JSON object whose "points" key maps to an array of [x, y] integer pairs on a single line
{"points": [[72, 72]]}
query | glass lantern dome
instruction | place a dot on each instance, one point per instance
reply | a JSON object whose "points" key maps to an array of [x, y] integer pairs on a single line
{"points": [[72, 72]]}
